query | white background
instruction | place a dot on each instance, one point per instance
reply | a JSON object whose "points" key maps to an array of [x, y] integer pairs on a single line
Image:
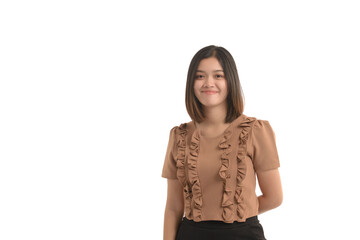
{"points": [[89, 91]]}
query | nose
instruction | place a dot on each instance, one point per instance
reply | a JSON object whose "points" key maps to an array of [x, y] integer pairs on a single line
{"points": [[209, 81]]}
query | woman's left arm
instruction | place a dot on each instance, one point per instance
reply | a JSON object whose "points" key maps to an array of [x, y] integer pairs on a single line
{"points": [[270, 185]]}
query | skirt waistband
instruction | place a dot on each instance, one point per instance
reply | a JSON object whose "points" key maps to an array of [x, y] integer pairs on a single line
{"points": [[219, 224]]}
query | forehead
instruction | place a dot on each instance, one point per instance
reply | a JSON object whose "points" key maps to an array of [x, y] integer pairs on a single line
{"points": [[209, 64]]}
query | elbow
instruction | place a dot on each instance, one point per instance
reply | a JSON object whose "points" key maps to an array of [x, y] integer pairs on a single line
{"points": [[177, 213], [277, 201], [174, 209]]}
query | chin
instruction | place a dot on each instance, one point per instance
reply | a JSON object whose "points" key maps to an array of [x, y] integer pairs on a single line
{"points": [[211, 104]]}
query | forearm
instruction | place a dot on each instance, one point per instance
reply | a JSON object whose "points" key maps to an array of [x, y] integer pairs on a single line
{"points": [[172, 220], [266, 204]]}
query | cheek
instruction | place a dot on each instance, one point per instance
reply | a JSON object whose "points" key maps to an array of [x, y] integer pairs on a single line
{"points": [[197, 86], [224, 86]]}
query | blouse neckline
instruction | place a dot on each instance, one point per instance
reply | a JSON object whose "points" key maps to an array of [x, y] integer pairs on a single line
{"points": [[223, 133]]}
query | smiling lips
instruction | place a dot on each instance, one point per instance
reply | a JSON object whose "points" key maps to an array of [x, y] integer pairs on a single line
{"points": [[209, 92]]}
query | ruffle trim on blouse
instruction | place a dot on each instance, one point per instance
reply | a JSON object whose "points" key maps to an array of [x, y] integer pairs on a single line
{"points": [[241, 166], [193, 176], [180, 164], [224, 173], [192, 190]]}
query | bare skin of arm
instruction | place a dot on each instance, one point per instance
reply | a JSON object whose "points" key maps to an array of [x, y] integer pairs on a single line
{"points": [[174, 209], [270, 185]]}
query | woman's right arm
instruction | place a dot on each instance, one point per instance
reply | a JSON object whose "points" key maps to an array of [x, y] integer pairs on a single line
{"points": [[174, 209]]}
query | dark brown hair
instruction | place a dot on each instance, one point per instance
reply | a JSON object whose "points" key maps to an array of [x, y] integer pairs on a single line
{"points": [[235, 98]]}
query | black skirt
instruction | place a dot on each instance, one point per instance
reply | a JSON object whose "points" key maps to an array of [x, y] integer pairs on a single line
{"points": [[251, 229]]}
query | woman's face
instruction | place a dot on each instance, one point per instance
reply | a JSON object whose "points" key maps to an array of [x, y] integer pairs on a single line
{"points": [[210, 77]]}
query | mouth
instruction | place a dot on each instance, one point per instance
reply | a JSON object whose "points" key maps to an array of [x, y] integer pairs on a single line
{"points": [[209, 92]]}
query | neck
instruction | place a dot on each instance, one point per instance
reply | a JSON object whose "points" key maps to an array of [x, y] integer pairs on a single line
{"points": [[215, 116]]}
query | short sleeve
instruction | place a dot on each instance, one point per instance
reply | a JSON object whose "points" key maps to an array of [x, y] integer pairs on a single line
{"points": [[264, 151], [169, 167]]}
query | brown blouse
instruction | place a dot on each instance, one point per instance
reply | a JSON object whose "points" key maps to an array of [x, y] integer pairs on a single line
{"points": [[218, 173]]}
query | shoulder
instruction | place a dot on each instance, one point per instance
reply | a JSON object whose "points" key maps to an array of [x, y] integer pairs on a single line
{"points": [[262, 129], [255, 122], [183, 127], [254, 126], [245, 122], [261, 123], [179, 131]]}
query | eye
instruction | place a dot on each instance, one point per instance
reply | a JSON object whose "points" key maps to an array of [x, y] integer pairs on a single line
{"points": [[199, 76], [219, 76]]}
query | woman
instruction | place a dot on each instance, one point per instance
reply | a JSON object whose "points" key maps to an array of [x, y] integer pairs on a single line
{"points": [[211, 162]]}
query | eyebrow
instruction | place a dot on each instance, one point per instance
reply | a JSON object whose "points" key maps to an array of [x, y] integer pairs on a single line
{"points": [[214, 71]]}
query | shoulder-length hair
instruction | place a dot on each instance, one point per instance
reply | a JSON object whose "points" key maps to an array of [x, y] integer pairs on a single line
{"points": [[235, 98]]}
